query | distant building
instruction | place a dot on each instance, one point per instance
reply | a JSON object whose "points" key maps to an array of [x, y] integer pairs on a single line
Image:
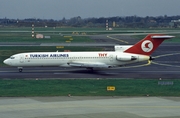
{"points": [[175, 23], [47, 37], [114, 24], [39, 36]]}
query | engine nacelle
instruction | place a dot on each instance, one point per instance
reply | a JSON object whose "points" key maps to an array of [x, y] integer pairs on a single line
{"points": [[126, 58]]}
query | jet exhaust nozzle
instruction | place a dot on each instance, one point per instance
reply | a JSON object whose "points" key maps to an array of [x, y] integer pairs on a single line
{"points": [[151, 58]]}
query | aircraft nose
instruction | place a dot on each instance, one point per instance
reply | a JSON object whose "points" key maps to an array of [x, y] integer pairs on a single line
{"points": [[6, 62]]}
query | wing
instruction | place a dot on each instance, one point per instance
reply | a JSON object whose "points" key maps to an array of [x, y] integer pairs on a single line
{"points": [[89, 64]]}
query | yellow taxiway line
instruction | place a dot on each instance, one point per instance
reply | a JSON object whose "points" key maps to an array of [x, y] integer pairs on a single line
{"points": [[118, 40]]}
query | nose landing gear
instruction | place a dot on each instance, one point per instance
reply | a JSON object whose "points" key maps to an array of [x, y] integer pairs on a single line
{"points": [[20, 69]]}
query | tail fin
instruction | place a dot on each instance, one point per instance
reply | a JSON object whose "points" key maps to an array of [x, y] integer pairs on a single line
{"points": [[148, 44]]}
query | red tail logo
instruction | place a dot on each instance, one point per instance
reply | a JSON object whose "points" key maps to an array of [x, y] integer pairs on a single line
{"points": [[148, 44]]}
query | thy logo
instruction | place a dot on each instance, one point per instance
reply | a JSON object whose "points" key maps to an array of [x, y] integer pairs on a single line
{"points": [[147, 46]]}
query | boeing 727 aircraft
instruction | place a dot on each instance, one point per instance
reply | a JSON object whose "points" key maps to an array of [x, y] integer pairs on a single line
{"points": [[122, 55]]}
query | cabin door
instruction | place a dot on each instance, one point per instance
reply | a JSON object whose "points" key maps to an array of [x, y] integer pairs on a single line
{"points": [[21, 58], [111, 58]]}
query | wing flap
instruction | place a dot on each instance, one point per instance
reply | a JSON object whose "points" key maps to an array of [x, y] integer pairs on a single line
{"points": [[89, 65]]}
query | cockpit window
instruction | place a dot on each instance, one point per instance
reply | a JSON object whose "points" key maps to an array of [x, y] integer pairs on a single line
{"points": [[12, 57]]}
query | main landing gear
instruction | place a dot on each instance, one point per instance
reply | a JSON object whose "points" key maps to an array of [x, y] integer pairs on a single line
{"points": [[90, 69], [20, 69]]}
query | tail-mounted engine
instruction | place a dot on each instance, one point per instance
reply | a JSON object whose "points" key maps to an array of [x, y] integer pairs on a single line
{"points": [[126, 57]]}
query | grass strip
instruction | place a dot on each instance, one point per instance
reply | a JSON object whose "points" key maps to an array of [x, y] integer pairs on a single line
{"points": [[88, 87]]}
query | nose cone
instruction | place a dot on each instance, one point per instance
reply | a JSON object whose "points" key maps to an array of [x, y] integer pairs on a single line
{"points": [[6, 62]]}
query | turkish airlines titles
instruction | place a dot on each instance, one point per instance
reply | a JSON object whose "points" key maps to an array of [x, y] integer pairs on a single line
{"points": [[47, 55], [57, 55]]}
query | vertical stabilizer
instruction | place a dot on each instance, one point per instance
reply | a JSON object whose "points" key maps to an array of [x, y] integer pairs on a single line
{"points": [[147, 45]]}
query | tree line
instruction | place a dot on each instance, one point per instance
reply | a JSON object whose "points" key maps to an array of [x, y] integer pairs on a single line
{"points": [[120, 22]]}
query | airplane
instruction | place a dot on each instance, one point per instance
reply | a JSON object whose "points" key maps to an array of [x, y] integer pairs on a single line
{"points": [[122, 55]]}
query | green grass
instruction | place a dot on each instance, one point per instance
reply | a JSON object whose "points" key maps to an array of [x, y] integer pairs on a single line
{"points": [[50, 29], [55, 38], [80, 29], [58, 35], [88, 87]]}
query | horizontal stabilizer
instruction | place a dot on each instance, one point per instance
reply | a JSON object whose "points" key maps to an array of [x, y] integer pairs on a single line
{"points": [[162, 37]]}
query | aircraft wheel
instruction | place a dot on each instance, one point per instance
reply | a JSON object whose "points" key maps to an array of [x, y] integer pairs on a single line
{"points": [[90, 68], [20, 70]]}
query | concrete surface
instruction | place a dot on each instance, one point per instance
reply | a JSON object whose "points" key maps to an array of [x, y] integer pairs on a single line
{"points": [[90, 107]]}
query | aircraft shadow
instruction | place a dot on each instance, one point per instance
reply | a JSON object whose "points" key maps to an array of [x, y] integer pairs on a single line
{"points": [[95, 72]]}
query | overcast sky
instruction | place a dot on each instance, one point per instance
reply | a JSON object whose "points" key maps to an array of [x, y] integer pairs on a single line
{"points": [[57, 9]]}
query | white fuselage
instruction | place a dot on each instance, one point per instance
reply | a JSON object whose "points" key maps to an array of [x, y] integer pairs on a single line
{"points": [[122, 55], [75, 59]]}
